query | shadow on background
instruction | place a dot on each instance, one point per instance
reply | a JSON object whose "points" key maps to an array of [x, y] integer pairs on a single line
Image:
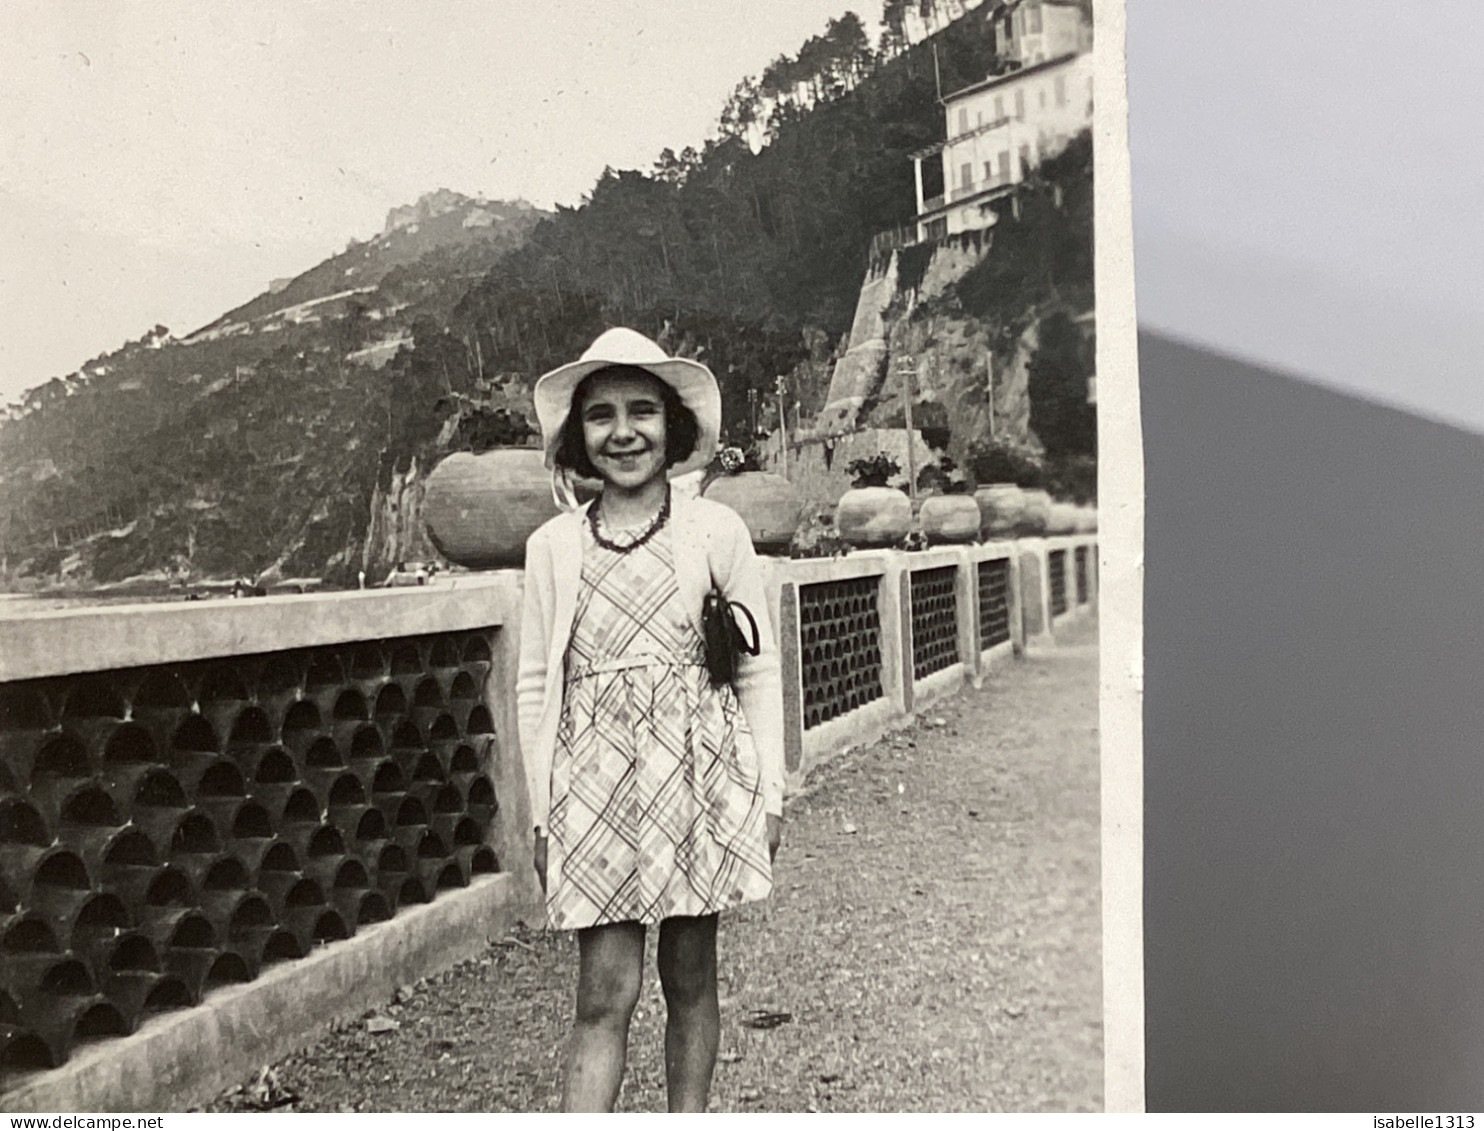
{"points": [[1314, 746]]}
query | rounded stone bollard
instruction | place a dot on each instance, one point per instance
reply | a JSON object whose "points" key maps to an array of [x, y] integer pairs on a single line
{"points": [[873, 516], [1001, 507], [480, 509], [769, 504], [1036, 516], [1062, 519], [949, 518]]}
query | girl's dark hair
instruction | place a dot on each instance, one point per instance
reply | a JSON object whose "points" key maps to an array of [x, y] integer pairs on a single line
{"points": [[682, 429]]}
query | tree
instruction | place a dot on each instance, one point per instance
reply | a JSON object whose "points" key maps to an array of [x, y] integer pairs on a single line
{"points": [[1057, 383], [742, 113], [893, 28], [669, 168], [851, 48]]}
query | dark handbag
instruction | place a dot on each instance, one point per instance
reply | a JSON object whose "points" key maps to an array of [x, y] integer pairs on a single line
{"points": [[724, 638]]}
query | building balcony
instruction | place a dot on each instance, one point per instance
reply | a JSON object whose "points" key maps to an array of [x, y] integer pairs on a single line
{"points": [[980, 130], [884, 243], [979, 190], [958, 138]]}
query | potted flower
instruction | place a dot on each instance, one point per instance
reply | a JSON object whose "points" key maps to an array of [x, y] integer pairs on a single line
{"points": [[872, 513], [950, 515], [482, 503], [769, 504], [1009, 498]]}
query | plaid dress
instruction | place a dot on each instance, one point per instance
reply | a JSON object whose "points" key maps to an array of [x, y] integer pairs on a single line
{"points": [[656, 801]]}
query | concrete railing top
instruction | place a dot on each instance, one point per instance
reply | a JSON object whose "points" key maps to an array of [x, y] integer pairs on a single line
{"points": [[51, 642], [1065, 541], [988, 551], [864, 563], [857, 563]]}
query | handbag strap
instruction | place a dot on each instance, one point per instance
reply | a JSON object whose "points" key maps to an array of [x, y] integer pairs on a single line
{"points": [[753, 648], [756, 646]]}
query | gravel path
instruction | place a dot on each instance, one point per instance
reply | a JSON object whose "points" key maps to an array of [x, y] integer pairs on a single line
{"points": [[934, 937]]}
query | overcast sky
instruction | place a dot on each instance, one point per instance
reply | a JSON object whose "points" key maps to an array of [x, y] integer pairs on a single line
{"points": [[161, 161], [1309, 189]]}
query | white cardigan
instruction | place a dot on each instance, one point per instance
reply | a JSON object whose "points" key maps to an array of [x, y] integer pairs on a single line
{"points": [[710, 542]]}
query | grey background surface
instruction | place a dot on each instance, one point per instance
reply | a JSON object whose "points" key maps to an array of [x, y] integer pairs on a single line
{"points": [[1314, 746], [1308, 189]]}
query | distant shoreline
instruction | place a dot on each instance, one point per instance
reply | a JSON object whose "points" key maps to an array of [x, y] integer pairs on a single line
{"points": [[150, 594]]}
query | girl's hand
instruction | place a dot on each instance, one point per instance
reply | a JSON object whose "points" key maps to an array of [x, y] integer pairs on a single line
{"points": [[775, 838], [538, 858]]}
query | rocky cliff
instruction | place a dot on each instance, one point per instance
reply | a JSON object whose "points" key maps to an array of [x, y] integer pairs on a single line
{"points": [[951, 355], [962, 321]]}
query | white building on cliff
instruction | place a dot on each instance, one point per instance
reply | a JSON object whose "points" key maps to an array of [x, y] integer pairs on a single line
{"points": [[1001, 127]]}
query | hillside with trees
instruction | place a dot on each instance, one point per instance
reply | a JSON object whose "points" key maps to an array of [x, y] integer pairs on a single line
{"points": [[249, 443], [747, 252], [262, 441]]}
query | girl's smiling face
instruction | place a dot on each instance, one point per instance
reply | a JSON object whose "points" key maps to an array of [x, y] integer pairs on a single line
{"points": [[623, 429]]}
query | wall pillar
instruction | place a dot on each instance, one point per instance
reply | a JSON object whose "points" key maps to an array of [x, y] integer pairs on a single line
{"points": [[1035, 591], [894, 605], [1092, 574], [966, 598], [792, 676], [513, 835], [909, 675]]}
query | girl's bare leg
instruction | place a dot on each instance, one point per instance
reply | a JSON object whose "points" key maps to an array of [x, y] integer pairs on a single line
{"points": [[611, 968], [687, 962]]}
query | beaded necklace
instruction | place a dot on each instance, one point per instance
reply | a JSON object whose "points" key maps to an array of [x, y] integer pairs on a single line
{"points": [[650, 531]]}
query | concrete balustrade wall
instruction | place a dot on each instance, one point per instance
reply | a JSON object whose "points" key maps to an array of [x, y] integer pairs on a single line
{"points": [[871, 639], [1058, 579], [225, 824], [999, 618]]}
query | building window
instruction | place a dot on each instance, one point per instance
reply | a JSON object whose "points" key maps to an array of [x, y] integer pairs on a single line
{"points": [[966, 175], [999, 107], [1025, 159], [963, 121], [979, 118], [1033, 14], [1061, 90], [1004, 165], [1043, 98], [1020, 105], [988, 171]]}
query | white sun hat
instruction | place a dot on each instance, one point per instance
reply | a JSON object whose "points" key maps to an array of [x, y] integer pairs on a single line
{"points": [[694, 383]]}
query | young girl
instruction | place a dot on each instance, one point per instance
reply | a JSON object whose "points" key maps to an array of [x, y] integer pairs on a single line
{"points": [[656, 797]]}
